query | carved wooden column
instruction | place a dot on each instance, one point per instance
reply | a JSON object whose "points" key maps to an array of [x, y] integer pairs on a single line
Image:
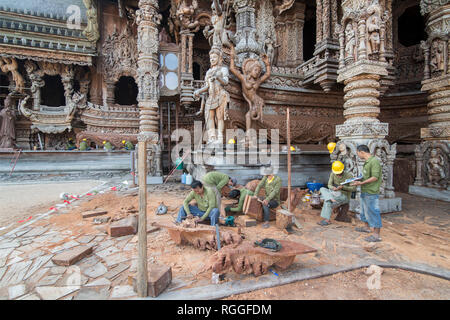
{"points": [[318, 21], [433, 154], [110, 98], [147, 19], [187, 76], [362, 78]]}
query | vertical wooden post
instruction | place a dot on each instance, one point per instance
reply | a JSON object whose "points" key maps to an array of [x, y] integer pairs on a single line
{"points": [[142, 276], [288, 124]]}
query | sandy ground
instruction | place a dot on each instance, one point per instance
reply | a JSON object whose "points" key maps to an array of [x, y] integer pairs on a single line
{"points": [[395, 285], [21, 200]]}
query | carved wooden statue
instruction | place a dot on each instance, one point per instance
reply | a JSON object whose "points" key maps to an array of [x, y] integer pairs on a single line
{"points": [[216, 103], [251, 80], [283, 6], [8, 129], [437, 56], [270, 48], [91, 32], [218, 35], [345, 158], [373, 28], [10, 65], [350, 42], [185, 13], [435, 167]]}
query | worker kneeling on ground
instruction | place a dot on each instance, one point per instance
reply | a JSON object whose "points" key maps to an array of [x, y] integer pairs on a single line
{"points": [[216, 181], [272, 186], [336, 194], [241, 194], [206, 205]]}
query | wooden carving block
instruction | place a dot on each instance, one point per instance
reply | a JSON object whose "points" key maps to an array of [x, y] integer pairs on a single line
{"points": [[93, 213], [69, 257], [284, 193], [284, 219], [225, 191], [159, 278], [124, 227], [225, 203]]}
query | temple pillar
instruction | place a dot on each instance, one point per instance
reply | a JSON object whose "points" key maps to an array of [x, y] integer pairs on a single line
{"points": [[433, 154], [246, 44], [148, 20], [110, 97], [362, 79], [187, 76]]}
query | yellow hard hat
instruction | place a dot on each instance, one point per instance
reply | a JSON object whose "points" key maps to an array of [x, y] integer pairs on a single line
{"points": [[84, 139], [123, 141], [331, 146], [104, 142], [231, 141], [337, 167], [292, 148]]}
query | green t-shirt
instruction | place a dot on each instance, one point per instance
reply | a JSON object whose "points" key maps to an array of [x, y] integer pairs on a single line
{"points": [[217, 179], [335, 181], [244, 193], [372, 168], [83, 146], [272, 188], [205, 203]]}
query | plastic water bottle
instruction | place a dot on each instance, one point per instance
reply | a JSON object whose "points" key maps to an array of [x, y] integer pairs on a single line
{"points": [[189, 179], [183, 178]]}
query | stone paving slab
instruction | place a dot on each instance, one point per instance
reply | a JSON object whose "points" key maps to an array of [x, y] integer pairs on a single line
{"points": [[92, 294], [116, 271], [37, 264], [99, 282], [54, 293], [15, 274], [122, 292], [17, 291], [85, 239], [49, 280], [107, 252], [95, 271], [30, 296]]}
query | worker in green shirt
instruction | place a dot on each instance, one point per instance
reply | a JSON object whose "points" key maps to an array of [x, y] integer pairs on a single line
{"points": [[241, 194], [206, 205], [71, 145], [84, 145], [370, 190], [107, 146], [336, 194], [128, 145], [216, 180], [272, 186]]}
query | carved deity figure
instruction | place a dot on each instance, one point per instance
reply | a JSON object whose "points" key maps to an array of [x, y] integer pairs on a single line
{"points": [[11, 65], [350, 42], [91, 32], [345, 158], [382, 157], [373, 25], [8, 129], [215, 106], [437, 56], [185, 13], [251, 80], [218, 35], [164, 36], [435, 167], [270, 48]]}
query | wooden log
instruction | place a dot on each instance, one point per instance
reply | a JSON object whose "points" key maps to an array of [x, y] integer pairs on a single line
{"points": [[142, 271]]}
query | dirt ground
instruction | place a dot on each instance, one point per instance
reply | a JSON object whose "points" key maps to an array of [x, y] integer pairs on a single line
{"points": [[395, 285], [419, 233], [23, 200]]}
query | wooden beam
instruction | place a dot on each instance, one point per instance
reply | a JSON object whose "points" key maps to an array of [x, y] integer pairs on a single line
{"points": [[142, 274], [288, 124]]}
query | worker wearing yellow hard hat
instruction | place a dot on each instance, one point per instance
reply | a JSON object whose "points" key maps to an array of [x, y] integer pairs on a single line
{"points": [[107, 146], [337, 195], [84, 145], [128, 145], [331, 146]]}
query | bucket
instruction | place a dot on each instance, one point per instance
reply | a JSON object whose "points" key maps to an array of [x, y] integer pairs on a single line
{"points": [[183, 178], [189, 179]]}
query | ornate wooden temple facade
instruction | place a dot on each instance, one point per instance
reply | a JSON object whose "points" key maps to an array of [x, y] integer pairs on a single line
{"points": [[351, 71]]}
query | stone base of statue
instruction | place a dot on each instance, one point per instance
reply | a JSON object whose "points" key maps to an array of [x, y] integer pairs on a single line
{"points": [[308, 164], [432, 193], [386, 205]]}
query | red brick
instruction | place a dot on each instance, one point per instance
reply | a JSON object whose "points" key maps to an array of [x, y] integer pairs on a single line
{"points": [[71, 256], [159, 278], [124, 227]]}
